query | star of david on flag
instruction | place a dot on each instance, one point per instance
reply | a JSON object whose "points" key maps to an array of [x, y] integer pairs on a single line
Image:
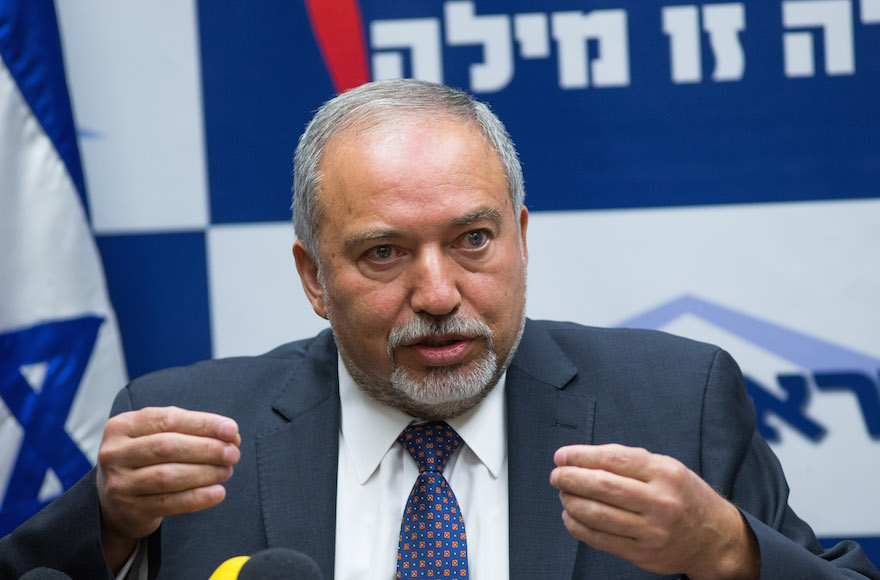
{"points": [[60, 355]]}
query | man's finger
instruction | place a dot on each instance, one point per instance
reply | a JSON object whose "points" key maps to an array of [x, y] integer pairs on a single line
{"points": [[150, 420], [171, 448], [624, 492], [602, 517], [182, 502], [631, 462], [172, 478], [622, 546]]}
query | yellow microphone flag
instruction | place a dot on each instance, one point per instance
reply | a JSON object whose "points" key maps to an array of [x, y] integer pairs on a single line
{"points": [[229, 569]]}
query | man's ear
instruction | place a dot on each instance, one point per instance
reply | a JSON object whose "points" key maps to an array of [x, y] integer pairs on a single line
{"points": [[523, 226], [308, 275]]}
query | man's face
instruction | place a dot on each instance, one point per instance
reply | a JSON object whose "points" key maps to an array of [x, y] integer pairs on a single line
{"points": [[423, 265]]}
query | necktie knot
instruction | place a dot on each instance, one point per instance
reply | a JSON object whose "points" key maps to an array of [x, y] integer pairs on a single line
{"points": [[430, 445]]}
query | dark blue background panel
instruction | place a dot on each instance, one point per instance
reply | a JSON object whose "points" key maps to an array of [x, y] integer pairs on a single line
{"points": [[263, 77], [164, 273], [761, 137]]}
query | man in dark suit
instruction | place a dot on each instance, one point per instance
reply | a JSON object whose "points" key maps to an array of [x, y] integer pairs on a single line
{"points": [[624, 454]]}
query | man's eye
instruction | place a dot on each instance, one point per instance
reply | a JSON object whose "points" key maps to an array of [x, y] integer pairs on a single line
{"points": [[476, 238], [383, 252]]}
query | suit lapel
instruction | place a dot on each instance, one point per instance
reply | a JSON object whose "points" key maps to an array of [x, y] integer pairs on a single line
{"points": [[299, 504], [542, 416], [296, 463]]}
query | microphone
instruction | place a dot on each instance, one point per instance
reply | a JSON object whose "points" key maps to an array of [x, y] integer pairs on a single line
{"points": [[45, 574], [271, 564]]}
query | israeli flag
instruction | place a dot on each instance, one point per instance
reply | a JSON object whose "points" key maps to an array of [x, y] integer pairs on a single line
{"points": [[61, 361]]}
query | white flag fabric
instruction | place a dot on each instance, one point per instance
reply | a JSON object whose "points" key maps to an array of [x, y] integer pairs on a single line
{"points": [[61, 361]]}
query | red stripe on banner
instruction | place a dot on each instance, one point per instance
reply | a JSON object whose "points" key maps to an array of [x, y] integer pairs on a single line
{"points": [[340, 34]]}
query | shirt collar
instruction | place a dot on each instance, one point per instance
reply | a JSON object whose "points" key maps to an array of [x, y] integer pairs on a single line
{"points": [[377, 426]]}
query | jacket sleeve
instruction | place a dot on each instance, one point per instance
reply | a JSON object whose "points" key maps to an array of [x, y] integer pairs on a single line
{"points": [[739, 463], [65, 536]]}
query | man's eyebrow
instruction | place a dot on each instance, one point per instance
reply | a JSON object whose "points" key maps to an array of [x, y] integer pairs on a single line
{"points": [[364, 237], [484, 213]]}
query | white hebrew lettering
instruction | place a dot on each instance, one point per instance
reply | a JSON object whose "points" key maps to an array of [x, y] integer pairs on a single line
{"points": [[463, 27], [834, 17], [421, 36], [681, 24], [572, 30], [530, 31], [798, 48], [871, 11], [387, 65], [723, 23]]}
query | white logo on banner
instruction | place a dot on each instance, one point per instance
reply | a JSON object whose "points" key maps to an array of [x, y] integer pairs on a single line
{"points": [[813, 399]]}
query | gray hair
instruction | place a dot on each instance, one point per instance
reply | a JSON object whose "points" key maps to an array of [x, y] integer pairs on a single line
{"points": [[378, 102]]}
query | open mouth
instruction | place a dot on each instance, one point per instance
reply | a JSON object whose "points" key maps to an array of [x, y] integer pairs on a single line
{"points": [[441, 350], [438, 343]]}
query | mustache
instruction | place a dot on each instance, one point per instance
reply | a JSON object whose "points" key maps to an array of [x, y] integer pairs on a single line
{"points": [[424, 327]]}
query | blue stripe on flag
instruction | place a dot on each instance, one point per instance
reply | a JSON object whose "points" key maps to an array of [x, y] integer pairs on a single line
{"points": [[31, 49]]}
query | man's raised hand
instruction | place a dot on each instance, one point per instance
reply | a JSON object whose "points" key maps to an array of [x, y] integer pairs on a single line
{"points": [[156, 462], [652, 510]]}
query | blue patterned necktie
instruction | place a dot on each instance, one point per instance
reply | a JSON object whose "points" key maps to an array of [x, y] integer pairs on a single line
{"points": [[432, 541]]}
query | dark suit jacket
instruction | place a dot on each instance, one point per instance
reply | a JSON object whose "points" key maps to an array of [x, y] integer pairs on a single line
{"points": [[567, 384]]}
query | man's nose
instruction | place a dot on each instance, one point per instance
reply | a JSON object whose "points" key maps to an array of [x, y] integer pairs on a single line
{"points": [[435, 284]]}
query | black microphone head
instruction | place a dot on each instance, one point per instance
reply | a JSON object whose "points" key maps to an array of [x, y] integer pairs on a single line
{"points": [[280, 564], [45, 574]]}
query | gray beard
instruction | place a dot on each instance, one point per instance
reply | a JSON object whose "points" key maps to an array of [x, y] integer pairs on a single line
{"points": [[443, 392]]}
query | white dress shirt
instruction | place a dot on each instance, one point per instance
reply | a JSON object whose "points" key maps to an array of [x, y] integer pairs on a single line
{"points": [[376, 475]]}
